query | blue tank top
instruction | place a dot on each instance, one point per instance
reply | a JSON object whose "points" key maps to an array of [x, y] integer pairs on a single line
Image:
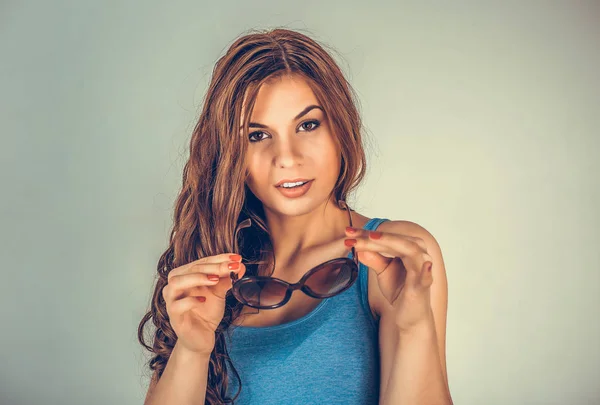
{"points": [[329, 356]]}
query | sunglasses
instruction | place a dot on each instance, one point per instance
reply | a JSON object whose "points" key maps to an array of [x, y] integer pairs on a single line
{"points": [[323, 281]]}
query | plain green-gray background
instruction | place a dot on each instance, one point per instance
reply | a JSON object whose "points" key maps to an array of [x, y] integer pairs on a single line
{"points": [[483, 125]]}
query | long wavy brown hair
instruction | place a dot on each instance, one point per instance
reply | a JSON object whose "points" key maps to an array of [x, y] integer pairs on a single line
{"points": [[214, 194]]}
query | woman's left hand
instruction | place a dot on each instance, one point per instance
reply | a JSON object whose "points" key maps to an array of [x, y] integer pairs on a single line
{"points": [[404, 278]]}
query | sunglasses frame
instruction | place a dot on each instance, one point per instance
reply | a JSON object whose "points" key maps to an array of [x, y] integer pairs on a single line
{"points": [[300, 285]]}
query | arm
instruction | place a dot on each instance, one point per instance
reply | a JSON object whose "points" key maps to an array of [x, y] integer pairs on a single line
{"points": [[413, 364], [183, 382], [416, 375]]}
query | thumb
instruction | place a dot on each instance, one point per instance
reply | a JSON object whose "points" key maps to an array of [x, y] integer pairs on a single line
{"points": [[426, 276]]}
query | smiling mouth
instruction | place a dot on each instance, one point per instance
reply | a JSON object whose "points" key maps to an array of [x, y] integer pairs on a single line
{"points": [[293, 181], [297, 185], [296, 191]]}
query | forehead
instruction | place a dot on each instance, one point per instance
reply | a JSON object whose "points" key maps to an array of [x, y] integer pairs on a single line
{"points": [[281, 98]]}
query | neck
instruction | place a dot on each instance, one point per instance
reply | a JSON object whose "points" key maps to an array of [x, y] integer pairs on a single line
{"points": [[293, 235]]}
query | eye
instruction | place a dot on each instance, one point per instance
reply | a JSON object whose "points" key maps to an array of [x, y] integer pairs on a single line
{"points": [[314, 122], [253, 134]]}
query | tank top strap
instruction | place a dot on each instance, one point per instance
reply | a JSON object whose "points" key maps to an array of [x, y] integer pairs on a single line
{"points": [[373, 223], [363, 274]]}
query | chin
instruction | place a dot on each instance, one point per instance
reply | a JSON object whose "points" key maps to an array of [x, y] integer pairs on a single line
{"points": [[297, 207], [287, 207]]}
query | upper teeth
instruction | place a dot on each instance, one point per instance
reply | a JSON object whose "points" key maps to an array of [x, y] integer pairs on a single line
{"points": [[293, 184]]}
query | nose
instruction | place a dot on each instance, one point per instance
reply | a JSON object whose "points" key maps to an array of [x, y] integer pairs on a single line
{"points": [[287, 154]]}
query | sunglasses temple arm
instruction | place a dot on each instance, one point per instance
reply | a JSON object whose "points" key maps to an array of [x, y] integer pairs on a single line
{"points": [[343, 204]]}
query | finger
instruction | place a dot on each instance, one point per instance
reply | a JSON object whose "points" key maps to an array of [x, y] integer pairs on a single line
{"points": [[389, 243], [373, 260], [426, 276], [208, 265], [178, 285], [220, 290], [421, 279], [219, 258], [186, 304], [379, 235]]}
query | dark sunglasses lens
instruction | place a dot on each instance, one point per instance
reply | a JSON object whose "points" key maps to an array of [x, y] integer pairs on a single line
{"points": [[263, 293], [330, 279]]}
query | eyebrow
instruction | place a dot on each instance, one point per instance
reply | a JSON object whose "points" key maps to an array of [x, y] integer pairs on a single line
{"points": [[300, 115]]}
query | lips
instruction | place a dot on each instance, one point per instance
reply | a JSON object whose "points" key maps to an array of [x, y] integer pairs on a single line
{"points": [[295, 192], [291, 181]]}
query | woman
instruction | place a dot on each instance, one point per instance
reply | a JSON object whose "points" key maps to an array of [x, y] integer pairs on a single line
{"points": [[266, 196]]}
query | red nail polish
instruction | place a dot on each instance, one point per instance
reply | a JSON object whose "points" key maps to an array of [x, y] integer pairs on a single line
{"points": [[235, 258], [350, 229], [350, 242], [374, 234]]}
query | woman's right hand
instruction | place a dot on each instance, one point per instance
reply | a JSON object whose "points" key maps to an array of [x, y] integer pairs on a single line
{"points": [[195, 303]]}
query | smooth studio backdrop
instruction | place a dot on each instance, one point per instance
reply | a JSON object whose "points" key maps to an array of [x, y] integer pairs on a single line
{"points": [[482, 121]]}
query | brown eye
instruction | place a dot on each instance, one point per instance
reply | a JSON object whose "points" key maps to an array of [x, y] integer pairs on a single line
{"points": [[315, 123], [253, 134]]}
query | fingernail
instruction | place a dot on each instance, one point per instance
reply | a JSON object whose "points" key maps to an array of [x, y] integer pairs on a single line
{"points": [[350, 242], [374, 235], [201, 299], [235, 258], [349, 229], [233, 266], [213, 277]]}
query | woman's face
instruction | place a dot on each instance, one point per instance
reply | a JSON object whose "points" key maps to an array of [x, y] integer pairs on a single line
{"points": [[286, 146]]}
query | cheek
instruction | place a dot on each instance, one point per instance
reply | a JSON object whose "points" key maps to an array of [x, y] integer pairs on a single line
{"points": [[329, 157], [256, 171]]}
